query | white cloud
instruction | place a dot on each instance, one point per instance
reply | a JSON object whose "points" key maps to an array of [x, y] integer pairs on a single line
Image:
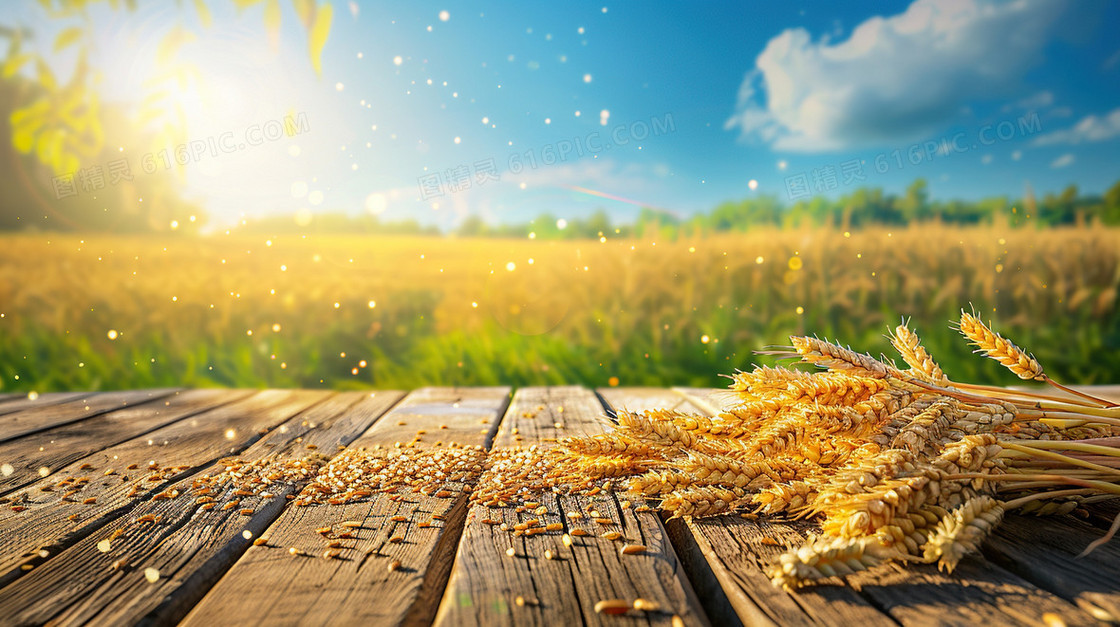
{"points": [[1090, 129], [1031, 103], [894, 79], [1062, 161]]}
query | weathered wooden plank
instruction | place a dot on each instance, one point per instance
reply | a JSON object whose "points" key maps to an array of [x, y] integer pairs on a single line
{"points": [[1044, 551], [734, 552], [915, 595], [29, 421], [270, 586], [28, 459], [20, 402], [190, 546], [708, 400], [486, 582], [46, 525]]}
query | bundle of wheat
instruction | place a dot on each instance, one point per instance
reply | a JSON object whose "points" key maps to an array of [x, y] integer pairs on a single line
{"points": [[895, 464]]}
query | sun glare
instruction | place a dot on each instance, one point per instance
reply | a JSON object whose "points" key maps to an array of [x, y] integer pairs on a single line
{"points": [[232, 114]]}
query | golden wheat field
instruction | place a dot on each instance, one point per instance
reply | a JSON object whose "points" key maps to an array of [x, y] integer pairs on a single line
{"points": [[93, 311]]}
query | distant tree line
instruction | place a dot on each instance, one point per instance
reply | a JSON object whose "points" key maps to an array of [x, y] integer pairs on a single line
{"points": [[863, 207]]}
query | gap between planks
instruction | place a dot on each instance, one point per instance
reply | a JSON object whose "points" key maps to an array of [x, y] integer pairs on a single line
{"points": [[19, 402], [32, 457], [35, 419]]}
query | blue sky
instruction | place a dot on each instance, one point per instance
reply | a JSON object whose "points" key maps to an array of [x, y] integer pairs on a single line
{"points": [[687, 104]]}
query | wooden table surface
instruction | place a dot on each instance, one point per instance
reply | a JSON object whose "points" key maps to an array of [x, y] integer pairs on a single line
{"points": [[91, 556]]}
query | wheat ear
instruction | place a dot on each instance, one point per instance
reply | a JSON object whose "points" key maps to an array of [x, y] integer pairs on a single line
{"points": [[1015, 359], [994, 345], [962, 530], [828, 557], [907, 343]]}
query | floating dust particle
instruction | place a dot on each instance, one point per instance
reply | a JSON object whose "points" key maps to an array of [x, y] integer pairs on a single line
{"points": [[151, 574], [103, 546]]}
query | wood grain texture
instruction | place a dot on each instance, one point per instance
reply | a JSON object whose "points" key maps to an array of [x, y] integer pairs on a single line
{"points": [[976, 593], [85, 406], [19, 402], [189, 547], [58, 447], [485, 582], [190, 443], [1044, 551], [208, 569], [268, 585]]}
